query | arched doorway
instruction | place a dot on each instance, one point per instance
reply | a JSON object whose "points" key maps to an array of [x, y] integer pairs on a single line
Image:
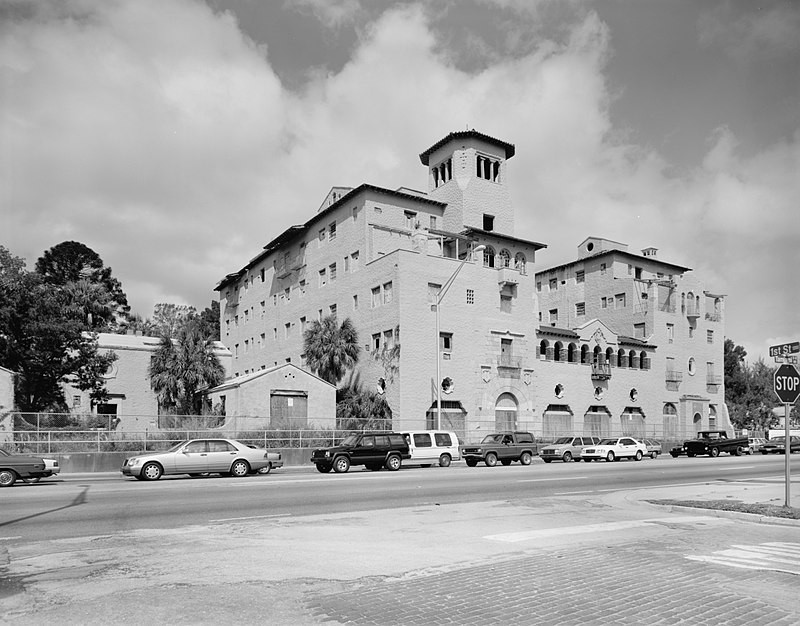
{"points": [[505, 412], [597, 421], [697, 422], [632, 422], [670, 416], [557, 420]]}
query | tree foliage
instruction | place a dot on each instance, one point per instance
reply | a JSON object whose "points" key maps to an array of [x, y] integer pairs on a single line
{"points": [[181, 367], [169, 319], [43, 339], [331, 349], [361, 409], [90, 288], [749, 392]]}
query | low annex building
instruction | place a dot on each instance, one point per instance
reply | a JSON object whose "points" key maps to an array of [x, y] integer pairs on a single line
{"points": [[614, 342]]}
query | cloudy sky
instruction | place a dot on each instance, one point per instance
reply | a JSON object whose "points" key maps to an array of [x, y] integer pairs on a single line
{"points": [[177, 137]]}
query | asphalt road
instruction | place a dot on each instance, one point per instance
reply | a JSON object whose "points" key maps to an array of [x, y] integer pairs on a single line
{"points": [[84, 505]]}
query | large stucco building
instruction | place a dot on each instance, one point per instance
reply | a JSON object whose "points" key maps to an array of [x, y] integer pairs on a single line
{"points": [[603, 344]]}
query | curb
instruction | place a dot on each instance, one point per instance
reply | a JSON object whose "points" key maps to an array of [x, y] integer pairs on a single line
{"points": [[749, 517]]}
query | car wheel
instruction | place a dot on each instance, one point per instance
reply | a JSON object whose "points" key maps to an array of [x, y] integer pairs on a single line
{"points": [[473, 462], [610, 456], [151, 471], [491, 459], [32, 480], [714, 452], [639, 455], [341, 464], [393, 463], [567, 457], [738, 451], [654, 455], [240, 468], [7, 478], [525, 458], [323, 468], [266, 470], [444, 460]]}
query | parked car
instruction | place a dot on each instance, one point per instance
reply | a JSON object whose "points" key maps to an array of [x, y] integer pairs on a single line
{"points": [[505, 447], [566, 448], [26, 467], [428, 447], [777, 445], [615, 449], [197, 457], [372, 450], [653, 447], [755, 444]]}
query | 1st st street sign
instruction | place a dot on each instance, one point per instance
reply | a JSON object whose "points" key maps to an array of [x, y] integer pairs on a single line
{"points": [[787, 383]]}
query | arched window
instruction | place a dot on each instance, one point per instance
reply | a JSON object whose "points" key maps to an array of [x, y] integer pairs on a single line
{"points": [[712, 417], [544, 347], [557, 351], [683, 303], [572, 353], [505, 412], [644, 363], [669, 409], [622, 360], [597, 355], [488, 257], [670, 420], [504, 258], [584, 354], [520, 264], [610, 356]]}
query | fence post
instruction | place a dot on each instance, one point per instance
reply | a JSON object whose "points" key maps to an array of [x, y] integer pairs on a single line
{"points": [[300, 440]]}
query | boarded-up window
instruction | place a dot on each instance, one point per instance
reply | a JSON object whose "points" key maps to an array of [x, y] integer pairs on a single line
{"points": [[288, 406]]}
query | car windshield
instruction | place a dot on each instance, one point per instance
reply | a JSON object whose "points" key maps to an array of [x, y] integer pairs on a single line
{"points": [[176, 446], [563, 440], [350, 440], [492, 438], [4, 453], [607, 442]]}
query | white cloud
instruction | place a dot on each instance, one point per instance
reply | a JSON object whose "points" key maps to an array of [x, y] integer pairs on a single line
{"points": [[176, 154]]}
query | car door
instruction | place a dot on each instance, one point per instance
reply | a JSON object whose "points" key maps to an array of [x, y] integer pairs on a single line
{"points": [[192, 458], [423, 448], [220, 455], [627, 447], [365, 452]]}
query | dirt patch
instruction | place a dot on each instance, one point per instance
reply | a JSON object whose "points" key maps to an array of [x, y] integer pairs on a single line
{"points": [[768, 510]]}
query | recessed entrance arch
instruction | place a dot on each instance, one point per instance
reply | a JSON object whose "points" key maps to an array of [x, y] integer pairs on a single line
{"points": [[505, 412], [597, 421], [632, 422], [557, 420]]}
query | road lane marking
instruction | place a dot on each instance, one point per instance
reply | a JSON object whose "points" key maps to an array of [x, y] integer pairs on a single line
{"points": [[239, 519], [545, 480], [545, 533], [774, 556]]}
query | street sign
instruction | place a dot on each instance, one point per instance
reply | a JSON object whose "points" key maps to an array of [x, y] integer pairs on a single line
{"points": [[787, 383], [785, 349]]}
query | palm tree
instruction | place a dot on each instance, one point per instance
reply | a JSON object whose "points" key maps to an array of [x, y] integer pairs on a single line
{"points": [[181, 367], [331, 349], [90, 302]]}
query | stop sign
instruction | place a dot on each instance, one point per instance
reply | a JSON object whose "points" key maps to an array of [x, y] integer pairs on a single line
{"points": [[787, 383]]}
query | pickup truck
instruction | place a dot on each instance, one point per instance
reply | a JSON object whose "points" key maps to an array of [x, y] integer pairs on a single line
{"points": [[711, 443], [505, 447]]}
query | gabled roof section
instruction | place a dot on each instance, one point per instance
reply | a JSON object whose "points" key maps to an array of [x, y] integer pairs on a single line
{"points": [[557, 332], [622, 253], [468, 134], [637, 343], [238, 381], [470, 230]]}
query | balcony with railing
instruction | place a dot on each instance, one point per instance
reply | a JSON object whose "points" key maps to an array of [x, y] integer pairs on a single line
{"points": [[288, 264], [601, 371], [673, 376], [509, 362]]}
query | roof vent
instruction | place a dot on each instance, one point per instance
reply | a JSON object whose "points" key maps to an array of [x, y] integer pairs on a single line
{"points": [[651, 252]]}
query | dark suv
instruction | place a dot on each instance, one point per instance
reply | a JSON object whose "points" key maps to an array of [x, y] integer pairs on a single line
{"points": [[372, 450]]}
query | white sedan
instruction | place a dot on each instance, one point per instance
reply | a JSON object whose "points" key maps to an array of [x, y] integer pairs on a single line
{"points": [[615, 449]]}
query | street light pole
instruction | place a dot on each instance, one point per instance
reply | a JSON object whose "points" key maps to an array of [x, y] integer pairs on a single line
{"points": [[439, 299]]}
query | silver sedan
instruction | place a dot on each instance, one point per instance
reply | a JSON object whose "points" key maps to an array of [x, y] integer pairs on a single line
{"points": [[198, 457]]}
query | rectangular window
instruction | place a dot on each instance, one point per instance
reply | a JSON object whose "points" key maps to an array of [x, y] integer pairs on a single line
{"points": [[433, 221], [332, 231], [410, 219], [691, 331], [620, 300], [538, 285], [433, 292], [580, 309], [355, 213], [263, 305], [246, 345], [227, 327], [262, 274], [488, 222], [670, 333], [303, 324], [553, 317], [302, 287], [246, 316], [388, 339], [639, 331], [376, 342], [287, 294], [505, 303], [376, 297], [354, 257], [387, 293], [553, 284], [355, 302], [470, 296], [332, 309], [710, 336], [580, 276], [332, 272], [287, 327], [604, 303], [319, 314], [262, 342], [322, 277], [638, 273], [446, 342], [346, 264], [321, 235], [236, 321], [602, 269]]}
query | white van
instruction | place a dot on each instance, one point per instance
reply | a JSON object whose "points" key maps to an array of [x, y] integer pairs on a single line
{"points": [[432, 446]]}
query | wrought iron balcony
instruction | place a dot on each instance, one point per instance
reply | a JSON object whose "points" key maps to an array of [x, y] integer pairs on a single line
{"points": [[673, 376], [601, 371]]}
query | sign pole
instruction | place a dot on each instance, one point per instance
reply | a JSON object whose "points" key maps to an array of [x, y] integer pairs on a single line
{"points": [[787, 449]]}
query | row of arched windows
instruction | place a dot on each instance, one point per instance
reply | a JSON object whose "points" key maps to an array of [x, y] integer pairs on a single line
{"points": [[571, 353], [503, 259]]}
